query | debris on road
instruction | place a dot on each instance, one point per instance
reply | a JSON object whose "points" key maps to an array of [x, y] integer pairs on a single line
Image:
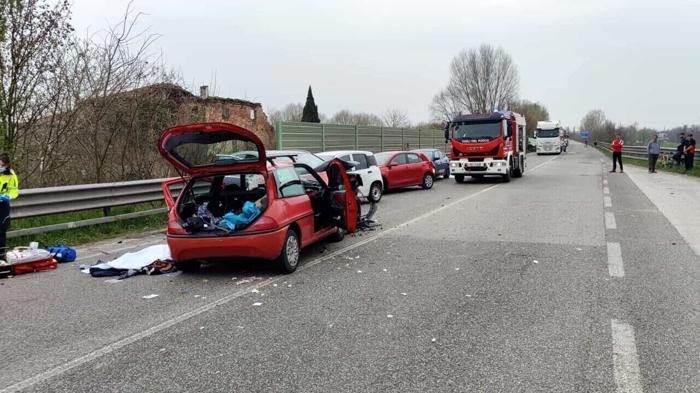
{"points": [[255, 290], [257, 304], [151, 296], [247, 280], [389, 316], [359, 271], [404, 294], [433, 340], [384, 270], [535, 261]]}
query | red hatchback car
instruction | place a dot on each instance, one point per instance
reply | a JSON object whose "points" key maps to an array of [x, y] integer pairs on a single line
{"points": [[237, 203], [405, 169]]}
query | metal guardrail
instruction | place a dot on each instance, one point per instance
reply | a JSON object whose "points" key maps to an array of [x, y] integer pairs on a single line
{"points": [[54, 200], [641, 151]]}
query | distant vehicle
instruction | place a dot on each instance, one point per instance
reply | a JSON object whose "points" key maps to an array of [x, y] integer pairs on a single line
{"points": [[275, 207], [440, 161], [405, 169], [487, 144], [366, 167], [548, 134]]}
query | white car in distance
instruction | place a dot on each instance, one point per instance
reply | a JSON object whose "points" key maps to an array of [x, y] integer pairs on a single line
{"points": [[372, 184]]}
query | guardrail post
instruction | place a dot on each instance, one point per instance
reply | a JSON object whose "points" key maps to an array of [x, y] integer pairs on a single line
{"points": [[323, 137], [403, 140], [278, 135], [356, 138], [419, 144], [381, 138], [106, 211]]}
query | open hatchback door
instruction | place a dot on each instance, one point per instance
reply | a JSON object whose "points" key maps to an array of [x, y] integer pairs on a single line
{"points": [[343, 198], [213, 148]]}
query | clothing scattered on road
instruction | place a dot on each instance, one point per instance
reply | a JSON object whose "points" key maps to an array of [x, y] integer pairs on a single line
{"points": [[151, 260]]}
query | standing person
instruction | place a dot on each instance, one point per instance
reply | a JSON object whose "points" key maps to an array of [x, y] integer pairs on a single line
{"points": [[689, 153], [616, 147], [654, 149], [9, 189]]}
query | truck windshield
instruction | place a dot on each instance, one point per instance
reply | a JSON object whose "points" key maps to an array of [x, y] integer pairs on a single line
{"points": [[547, 133], [476, 131]]}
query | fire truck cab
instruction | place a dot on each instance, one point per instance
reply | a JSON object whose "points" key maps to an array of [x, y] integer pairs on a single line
{"points": [[489, 144]]}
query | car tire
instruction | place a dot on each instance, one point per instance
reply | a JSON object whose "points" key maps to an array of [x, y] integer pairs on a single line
{"points": [[428, 181], [459, 178], [507, 176], [447, 174], [291, 252], [188, 266], [375, 192]]}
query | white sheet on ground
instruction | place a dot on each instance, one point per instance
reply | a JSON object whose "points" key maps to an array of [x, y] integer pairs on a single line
{"points": [[139, 259]]}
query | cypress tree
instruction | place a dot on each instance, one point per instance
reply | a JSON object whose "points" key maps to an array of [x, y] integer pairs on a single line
{"points": [[310, 114]]}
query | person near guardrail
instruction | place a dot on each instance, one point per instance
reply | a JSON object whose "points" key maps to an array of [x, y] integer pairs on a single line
{"points": [[689, 153], [616, 147], [680, 149], [653, 149], [9, 189]]}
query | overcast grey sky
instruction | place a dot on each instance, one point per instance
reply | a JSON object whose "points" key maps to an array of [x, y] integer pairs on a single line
{"points": [[637, 60]]}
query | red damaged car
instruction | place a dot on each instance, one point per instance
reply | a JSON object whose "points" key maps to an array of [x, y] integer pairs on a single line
{"points": [[237, 203], [405, 169]]}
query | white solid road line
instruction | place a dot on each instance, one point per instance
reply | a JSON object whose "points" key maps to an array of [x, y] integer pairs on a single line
{"points": [[625, 359], [58, 370], [616, 268], [606, 190], [610, 220], [607, 202]]}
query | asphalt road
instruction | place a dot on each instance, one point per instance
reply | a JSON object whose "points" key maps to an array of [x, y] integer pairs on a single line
{"points": [[567, 280]]}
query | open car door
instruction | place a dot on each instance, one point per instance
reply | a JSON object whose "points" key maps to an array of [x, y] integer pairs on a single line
{"points": [[343, 197]]}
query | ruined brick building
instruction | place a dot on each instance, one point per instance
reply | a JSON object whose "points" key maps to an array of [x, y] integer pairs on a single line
{"points": [[205, 108]]}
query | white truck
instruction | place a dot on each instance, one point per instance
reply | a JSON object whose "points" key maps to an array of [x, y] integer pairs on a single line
{"points": [[548, 137]]}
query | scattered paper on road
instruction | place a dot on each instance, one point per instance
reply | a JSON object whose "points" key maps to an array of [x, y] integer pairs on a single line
{"points": [[151, 296]]}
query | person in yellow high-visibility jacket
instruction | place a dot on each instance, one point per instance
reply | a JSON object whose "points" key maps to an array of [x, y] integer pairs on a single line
{"points": [[9, 189]]}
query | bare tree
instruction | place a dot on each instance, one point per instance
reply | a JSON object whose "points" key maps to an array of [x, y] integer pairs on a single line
{"points": [[480, 80], [359, 119], [113, 63], [33, 35], [291, 112], [600, 128], [396, 118]]}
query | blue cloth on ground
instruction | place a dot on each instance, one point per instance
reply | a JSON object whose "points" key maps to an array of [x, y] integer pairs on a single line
{"points": [[249, 213]]}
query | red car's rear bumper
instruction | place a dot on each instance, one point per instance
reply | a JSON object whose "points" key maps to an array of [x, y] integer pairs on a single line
{"points": [[266, 245]]}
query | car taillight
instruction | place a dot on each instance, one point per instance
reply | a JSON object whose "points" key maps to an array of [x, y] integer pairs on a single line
{"points": [[264, 224]]}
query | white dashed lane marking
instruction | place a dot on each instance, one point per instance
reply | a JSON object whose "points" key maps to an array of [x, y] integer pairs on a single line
{"points": [[625, 359], [606, 190], [607, 201], [616, 267], [610, 221]]}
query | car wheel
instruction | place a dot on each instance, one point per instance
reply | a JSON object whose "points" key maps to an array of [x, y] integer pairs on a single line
{"points": [[507, 176], [447, 174], [375, 192], [428, 181], [188, 266], [459, 178], [291, 250]]}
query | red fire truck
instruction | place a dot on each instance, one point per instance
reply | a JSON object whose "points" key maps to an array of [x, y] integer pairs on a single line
{"points": [[488, 144]]}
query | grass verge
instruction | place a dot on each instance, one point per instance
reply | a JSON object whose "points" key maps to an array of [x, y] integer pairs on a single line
{"points": [[78, 236]]}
